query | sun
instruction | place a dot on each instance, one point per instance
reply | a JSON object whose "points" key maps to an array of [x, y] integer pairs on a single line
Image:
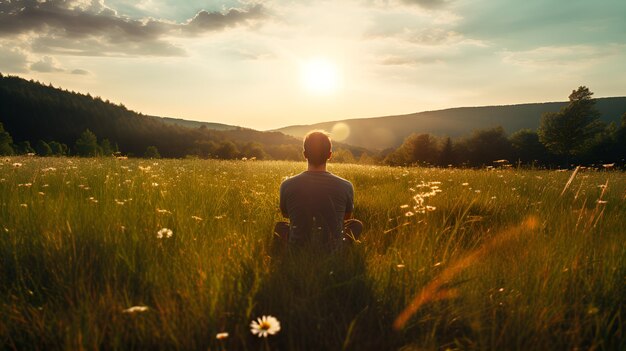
{"points": [[320, 76]]}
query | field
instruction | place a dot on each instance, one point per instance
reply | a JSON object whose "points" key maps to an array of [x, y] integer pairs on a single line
{"points": [[483, 259]]}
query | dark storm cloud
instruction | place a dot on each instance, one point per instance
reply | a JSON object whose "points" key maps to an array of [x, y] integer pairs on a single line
{"points": [[69, 27]]}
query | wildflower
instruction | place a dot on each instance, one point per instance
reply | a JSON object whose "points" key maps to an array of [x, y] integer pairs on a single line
{"points": [[162, 211], [409, 214], [465, 184], [400, 266], [221, 336], [404, 206], [155, 184], [24, 205], [136, 309], [602, 201], [197, 218], [430, 208], [164, 232], [264, 326]]}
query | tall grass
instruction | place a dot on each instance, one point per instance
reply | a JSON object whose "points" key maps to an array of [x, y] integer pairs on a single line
{"points": [[79, 245]]}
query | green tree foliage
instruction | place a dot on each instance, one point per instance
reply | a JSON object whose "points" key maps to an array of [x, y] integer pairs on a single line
{"points": [[6, 142], [416, 149], [43, 149], [446, 155], [87, 144], [485, 146], [106, 149], [23, 148], [227, 150], [58, 149], [343, 156], [152, 152], [527, 148], [568, 132], [253, 149]]}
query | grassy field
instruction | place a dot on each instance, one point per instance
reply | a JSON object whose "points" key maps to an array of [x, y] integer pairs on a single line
{"points": [[501, 259]]}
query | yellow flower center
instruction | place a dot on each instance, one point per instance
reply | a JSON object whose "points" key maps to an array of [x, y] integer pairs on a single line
{"points": [[264, 326]]}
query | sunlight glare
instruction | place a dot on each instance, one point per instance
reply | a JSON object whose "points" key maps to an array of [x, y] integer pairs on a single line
{"points": [[320, 76]]}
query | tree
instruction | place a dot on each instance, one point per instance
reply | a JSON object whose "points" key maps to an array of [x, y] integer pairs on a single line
{"points": [[485, 146], [252, 149], [87, 144], [342, 156], [106, 149], [527, 147], [446, 156], [43, 149], [568, 132], [422, 148], [24, 148], [58, 149], [152, 152], [227, 150], [6, 142]]}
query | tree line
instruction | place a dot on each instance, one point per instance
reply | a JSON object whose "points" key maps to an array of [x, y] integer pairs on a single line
{"points": [[44, 120], [574, 134]]}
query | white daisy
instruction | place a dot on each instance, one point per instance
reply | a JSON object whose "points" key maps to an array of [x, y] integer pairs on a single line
{"points": [[264, 326]]}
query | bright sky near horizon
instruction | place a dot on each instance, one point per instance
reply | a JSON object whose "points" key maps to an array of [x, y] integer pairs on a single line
{"points": [[268, 64]]}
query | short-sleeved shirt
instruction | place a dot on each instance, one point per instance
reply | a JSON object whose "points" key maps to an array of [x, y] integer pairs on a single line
{"points": [[315, 200]]}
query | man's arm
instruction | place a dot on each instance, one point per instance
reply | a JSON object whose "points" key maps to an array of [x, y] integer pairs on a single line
{"points": [[349, 204], [283, 202]]}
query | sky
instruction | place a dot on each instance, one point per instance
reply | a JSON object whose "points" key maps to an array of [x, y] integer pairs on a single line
{"points": [[269, 64]]}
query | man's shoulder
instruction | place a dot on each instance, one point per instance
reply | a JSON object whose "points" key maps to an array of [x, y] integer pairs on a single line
{"points": [[315, 177]]}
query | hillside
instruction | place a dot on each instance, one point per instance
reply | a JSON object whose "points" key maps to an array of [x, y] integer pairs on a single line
{"points": [[31, 111], [195, 124], [384, 132]]}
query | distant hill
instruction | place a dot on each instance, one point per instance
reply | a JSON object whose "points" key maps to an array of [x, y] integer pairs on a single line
{"points": [[195, 124], [31, 111], [385, 132]]}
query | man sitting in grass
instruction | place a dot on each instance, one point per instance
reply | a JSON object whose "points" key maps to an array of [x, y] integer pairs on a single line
{"points": [[318, 204]]}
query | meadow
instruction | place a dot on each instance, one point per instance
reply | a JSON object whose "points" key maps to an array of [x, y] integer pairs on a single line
{"points": [[499, 259]]}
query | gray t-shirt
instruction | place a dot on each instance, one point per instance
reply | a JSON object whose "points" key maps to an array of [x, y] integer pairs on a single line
{"points": [[315, 201]]}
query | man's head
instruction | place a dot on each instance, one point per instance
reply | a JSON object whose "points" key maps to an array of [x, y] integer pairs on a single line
{"points": [[317, 147]]}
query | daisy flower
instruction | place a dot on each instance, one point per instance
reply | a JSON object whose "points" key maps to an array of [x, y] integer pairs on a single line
{"points": [[164, 233], [264, 326]]}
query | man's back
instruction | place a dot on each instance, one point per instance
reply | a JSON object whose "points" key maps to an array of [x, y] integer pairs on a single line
{"points": [[315, 200]]}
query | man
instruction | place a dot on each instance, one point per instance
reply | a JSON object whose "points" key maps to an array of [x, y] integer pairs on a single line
{"points": [[318, 204]]}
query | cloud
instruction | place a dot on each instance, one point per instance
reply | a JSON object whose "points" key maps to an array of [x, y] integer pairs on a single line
{"points": [[75, 27], [560, 56], [428, 4], [80, 71], [205, 21], [408, 61], [46, 64], [13, 60]]}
